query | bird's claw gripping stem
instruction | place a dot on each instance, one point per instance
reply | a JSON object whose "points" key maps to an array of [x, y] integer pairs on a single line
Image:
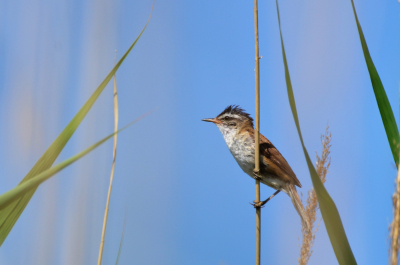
{"points": [[258, 204], [256, 175], [262, 203]]}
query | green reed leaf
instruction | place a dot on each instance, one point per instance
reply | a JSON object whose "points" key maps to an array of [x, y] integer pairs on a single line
{"points": [[389, 122], [329, 212], [32, 183], [10, 213]]}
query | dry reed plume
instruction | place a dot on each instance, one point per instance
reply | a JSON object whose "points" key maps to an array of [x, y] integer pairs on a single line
{"points": [[394, 227], [322, 166]]}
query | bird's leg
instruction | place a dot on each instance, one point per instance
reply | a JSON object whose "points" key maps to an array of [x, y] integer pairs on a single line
{"points": [[267, 200], [261, 204]]}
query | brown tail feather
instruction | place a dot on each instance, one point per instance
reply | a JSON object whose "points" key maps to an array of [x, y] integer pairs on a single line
{"points": [[298, 205]]}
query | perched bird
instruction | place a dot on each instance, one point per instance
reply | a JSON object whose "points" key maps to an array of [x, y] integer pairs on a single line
{"points": [[237, 129]]}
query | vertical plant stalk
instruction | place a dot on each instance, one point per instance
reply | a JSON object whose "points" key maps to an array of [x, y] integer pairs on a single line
{"points": [[103, 233], [394, 227], [322, 167], [257, 136]]}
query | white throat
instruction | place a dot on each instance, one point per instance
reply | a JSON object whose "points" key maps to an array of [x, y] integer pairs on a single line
{"points": [[241, 147], [228, 134]]}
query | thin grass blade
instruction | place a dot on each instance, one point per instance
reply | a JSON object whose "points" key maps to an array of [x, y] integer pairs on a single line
{"points": [[121, 241], [10, 214], [389, 122], [32, 183], [329, 212]]}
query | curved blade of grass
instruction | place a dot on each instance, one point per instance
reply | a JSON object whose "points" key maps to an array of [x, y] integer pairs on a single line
{"points": [[329, 212], [389, 122], [10, 214], [32, 183], [121, 241]]}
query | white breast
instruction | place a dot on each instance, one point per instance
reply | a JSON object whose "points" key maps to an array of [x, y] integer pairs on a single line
{"points": [[242, 149]]}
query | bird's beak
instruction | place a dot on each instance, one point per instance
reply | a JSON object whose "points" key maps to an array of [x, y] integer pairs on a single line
{"points": [[214, 120]]}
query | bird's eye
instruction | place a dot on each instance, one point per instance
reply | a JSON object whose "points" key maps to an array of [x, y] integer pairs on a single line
{"points": [[227, 118]]}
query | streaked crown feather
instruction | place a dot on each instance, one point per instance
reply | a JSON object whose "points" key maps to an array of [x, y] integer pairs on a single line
{"points": [[236, 110]]}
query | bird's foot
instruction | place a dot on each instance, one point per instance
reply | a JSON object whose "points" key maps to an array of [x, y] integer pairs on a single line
{"points": [[262, 203], [258, 204], [256, 175]]}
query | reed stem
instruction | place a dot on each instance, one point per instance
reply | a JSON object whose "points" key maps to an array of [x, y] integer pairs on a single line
{"points": [[103, 233], [257, 136]]}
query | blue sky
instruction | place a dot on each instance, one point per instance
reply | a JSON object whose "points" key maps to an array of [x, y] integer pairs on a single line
{"points": [[187, 200]]}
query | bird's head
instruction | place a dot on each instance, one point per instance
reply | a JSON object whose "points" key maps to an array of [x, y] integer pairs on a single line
{"points": [[232, 118]]}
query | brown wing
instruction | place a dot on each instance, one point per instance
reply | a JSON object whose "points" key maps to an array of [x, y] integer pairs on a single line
{"points": [[274, 163]]}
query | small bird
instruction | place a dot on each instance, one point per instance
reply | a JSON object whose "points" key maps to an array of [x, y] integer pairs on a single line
{"points": [[237, 128]]}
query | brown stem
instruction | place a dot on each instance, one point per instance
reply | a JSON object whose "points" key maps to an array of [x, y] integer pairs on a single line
{"points": [[103, 232], [257, 136]]}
